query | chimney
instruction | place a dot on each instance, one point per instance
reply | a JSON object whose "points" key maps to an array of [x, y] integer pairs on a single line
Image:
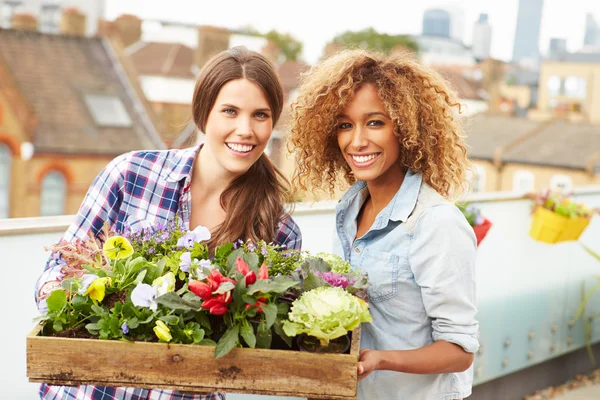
{"points": [[72, 22], [211, 40], [332, 49], [272, 52], [24, 22], [129, 28], [493, 76]]}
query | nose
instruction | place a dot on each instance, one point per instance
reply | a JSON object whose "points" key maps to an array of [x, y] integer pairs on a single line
{"points": [[359, 138], [244, 126]]}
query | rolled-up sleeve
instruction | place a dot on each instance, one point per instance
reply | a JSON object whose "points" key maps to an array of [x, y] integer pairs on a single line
{"points": [[442, 258]]}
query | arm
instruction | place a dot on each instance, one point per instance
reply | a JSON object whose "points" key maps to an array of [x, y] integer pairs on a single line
{"points": [[101, 203], [442, 258]]}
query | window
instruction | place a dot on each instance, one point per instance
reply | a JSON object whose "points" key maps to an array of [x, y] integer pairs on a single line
{"points": [[561, 182], [477, 179], [523, 182], [554, 85], [7, 10], [575, 86], [53, 194], [107, 111], [5, 163], [49, 16]]}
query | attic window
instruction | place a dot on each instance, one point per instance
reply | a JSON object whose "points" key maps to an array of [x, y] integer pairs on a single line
{"points": [[107, 111]]}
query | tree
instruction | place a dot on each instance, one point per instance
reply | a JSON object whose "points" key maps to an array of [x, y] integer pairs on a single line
{"points": [[370, 39], [290, 46]]}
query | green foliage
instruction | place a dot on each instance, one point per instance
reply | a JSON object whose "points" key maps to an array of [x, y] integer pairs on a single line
{"points": [[370, 39]]}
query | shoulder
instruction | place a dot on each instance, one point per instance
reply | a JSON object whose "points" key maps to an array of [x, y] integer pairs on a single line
{"points": [[288, 233], [150, 162]]}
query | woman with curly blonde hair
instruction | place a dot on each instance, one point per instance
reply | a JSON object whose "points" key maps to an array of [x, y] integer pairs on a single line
{"points": [[388, 125]]}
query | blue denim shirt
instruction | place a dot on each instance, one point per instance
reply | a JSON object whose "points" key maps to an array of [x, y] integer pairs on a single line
{"points": [[420, 258]]}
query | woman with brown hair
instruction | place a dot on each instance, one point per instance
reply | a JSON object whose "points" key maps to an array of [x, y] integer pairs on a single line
{"points": [[226, 184], [387, 125]]}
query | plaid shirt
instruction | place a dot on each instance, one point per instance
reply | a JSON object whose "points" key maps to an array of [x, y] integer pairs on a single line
{"points": [[138, 190]]}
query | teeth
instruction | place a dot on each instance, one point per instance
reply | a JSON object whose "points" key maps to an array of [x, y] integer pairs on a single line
{"points": [[242, 148], [364, 159]]}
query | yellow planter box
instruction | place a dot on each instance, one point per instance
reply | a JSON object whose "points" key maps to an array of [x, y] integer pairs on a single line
{"points": [[550, 227]]}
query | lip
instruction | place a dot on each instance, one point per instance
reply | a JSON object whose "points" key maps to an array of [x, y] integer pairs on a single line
{"points": [[237, 153], [365, 164]]}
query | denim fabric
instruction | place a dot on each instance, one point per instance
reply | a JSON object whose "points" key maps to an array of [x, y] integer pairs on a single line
{"points": [[420, 257]]}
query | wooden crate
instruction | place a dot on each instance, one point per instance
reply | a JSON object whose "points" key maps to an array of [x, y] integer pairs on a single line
{"points": [[192, 368]]}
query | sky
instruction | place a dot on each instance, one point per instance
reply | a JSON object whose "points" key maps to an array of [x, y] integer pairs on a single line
{"points": [[316, 22]]}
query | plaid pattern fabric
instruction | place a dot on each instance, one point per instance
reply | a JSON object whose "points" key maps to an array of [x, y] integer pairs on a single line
{"points": [[137, 190]]}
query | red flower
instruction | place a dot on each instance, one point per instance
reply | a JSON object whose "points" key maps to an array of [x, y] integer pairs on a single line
{"points": [[263, 272], [218, 304], [261, 301], [242, 267], [201, 289]]}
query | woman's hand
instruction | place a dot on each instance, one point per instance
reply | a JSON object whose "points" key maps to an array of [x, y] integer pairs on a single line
{"points": [[368, 361]]}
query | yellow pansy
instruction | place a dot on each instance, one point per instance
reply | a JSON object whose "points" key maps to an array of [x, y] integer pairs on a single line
{"points": [[117, 248], [97, 288], [162, 331], [165, 283]]}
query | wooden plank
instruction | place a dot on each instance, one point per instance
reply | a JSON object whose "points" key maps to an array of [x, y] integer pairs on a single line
{"points": [[191, 368]]}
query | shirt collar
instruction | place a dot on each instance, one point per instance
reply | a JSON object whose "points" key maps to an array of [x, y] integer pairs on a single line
{"points": [[402, 204], [181, 164]]}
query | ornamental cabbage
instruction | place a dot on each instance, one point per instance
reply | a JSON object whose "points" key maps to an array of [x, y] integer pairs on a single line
{"points": [[337, 263], [326, 313]]}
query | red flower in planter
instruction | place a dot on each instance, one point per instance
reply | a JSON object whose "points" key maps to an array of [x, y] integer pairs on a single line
{"points": [[242, 267], [261, 301], [482, 229], [215, 303], [263, 272]]}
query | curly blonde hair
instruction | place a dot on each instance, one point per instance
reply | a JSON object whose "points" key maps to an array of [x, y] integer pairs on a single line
{"points": [[417, 99]]}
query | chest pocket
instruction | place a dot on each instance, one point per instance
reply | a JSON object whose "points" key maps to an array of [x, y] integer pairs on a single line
{"points": [[385, 270]]}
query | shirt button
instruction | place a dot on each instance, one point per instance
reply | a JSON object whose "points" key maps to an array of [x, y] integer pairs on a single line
{"points": [[357, 250], [185, 207]]}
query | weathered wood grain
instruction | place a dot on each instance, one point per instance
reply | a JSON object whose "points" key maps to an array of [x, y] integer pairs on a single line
{"points": [[191, 368]]}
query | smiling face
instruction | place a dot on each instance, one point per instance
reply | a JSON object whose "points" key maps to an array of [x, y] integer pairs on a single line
{"points": [[238, 126], [366, 137]]}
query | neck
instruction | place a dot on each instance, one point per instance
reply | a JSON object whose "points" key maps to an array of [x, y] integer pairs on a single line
{"points": [[208, 175], [383, 189]]}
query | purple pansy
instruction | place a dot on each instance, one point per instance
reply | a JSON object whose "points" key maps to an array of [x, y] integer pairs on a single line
{"points": [[144, 295], [124, 328]]}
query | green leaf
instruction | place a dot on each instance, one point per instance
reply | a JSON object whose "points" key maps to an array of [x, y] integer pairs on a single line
{"points": [[248, 334], [283, 309], [172, 301], [97, 310], [224, 287], [140, 277], [133, 323], [92, 327], [57, 326], [252, 261], [228, 341], [263, 336], [312, 282], [170, 319], [57, 300], [238, 294], [231, 260], [198, 335], [202, 319], [279, 284], [208, 342], [224, 250], [315, 264], [278, 327], [270, 311]]}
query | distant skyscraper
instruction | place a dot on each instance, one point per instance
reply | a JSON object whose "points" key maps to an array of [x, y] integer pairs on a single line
{"points": [[436, 22], [527, 37], [482, 38], [592, 32], [558, 48]]}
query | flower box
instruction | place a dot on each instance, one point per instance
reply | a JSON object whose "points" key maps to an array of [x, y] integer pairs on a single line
{"points": [[550, 227], [192, 368]]}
